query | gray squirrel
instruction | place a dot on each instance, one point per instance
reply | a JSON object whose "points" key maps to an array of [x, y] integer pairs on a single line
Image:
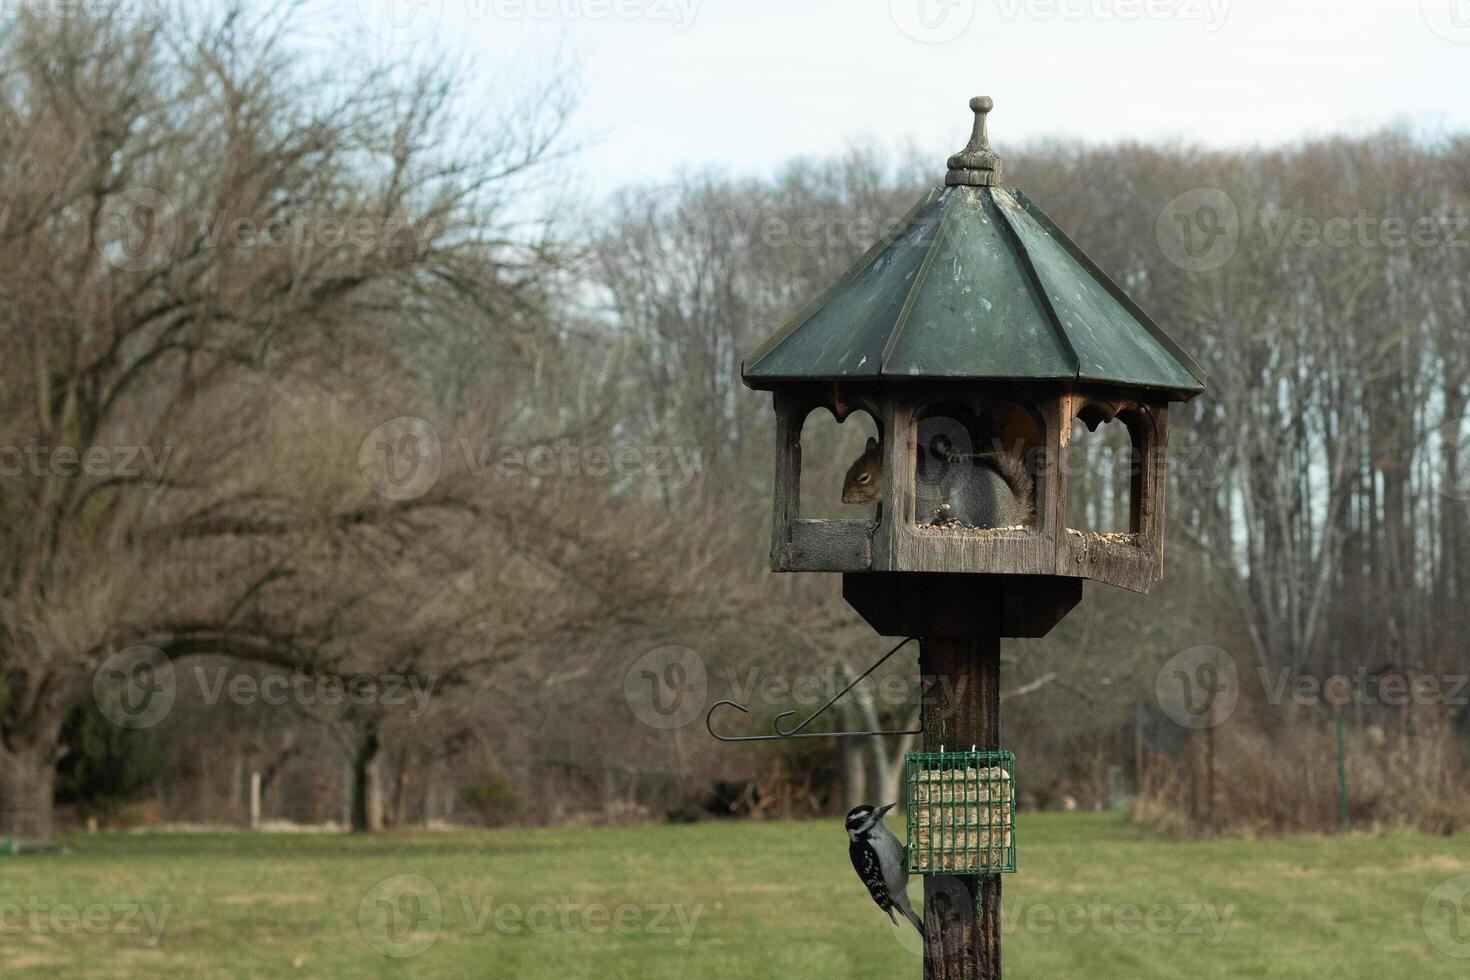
{"points": [[975, 489]]}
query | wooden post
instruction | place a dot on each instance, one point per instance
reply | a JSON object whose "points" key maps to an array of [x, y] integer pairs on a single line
{"points": [[962, 710], [960, 620], [255, 799]]}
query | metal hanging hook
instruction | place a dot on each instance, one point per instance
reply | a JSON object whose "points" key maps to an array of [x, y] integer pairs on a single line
{"points": [[709, 718]]}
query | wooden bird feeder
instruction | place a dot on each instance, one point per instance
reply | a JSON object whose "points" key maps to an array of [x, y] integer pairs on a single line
{"points": [[981, 312], [980, 319]]}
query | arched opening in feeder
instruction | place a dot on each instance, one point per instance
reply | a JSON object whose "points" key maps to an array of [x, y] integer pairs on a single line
{"points": [[1105, 471], [975, 464], [841, 466]]}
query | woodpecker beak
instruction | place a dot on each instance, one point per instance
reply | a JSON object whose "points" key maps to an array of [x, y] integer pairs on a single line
{"points": [[884, 809]]}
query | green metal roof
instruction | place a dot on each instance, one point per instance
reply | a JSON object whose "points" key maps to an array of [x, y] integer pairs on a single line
{"points": [[977, 284]]}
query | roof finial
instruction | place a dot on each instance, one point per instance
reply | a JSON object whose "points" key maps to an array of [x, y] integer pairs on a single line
{"points": [[977, 165]]}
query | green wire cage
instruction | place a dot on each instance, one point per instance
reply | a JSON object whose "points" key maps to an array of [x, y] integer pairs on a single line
{"points": [[962, 812]]}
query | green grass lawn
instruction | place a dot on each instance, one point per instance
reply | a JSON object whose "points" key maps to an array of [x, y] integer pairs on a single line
{"points": [[1094, 898]]}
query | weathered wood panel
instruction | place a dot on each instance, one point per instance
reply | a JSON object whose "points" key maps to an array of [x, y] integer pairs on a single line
{"points": [[900, 458], [790, 413], [829, 546]]}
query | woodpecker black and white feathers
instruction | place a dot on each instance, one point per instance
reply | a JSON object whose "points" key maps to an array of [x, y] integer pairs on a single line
{"points": [[881, 861]]}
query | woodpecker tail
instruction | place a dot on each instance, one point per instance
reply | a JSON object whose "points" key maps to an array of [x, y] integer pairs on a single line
{"points": [[907, 908]]}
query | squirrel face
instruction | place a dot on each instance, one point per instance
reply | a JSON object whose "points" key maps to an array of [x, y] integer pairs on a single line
{"points": [[864, 477]]}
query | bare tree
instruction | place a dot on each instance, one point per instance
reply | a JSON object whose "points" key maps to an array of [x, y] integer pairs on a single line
{"points": [[211, 250]]}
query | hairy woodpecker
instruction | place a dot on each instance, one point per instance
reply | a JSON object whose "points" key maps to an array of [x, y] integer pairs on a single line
{"points": [[881, 861]]}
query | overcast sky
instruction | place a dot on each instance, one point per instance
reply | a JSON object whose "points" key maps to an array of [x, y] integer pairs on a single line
{"points": [[750, 83]]}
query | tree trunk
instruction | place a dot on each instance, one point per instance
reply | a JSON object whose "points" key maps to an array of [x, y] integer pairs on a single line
{"points": [[364, 792], [854, 771], [237, 785], [255, 799], [27, 791]]}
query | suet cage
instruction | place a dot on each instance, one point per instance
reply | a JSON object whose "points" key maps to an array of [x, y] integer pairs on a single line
{"points": [[961, 812]]}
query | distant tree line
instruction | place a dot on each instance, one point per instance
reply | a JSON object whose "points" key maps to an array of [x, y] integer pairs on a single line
{"points": [[222, 259]]}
